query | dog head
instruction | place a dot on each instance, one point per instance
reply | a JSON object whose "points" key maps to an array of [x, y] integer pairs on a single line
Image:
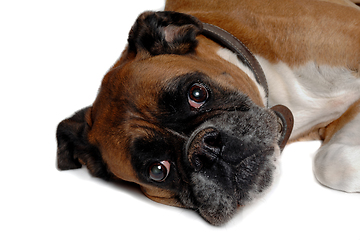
{"points": [[172, 116]]}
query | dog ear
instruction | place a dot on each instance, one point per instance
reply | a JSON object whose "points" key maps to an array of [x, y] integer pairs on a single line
{"points": [[74, 148], [164, 33], [287, 123]]}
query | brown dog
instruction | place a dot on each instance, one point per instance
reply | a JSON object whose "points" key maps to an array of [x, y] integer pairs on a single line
{"points": [[187, 114]]}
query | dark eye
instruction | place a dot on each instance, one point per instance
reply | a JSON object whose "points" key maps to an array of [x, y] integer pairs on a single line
{"points": [[159, 171], [198, 95]]}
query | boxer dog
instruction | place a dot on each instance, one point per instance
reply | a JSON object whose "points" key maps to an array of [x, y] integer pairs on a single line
{"points": [[198, 107]]}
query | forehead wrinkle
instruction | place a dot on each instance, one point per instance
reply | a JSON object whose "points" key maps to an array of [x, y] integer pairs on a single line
{"points": [[148, 128]]}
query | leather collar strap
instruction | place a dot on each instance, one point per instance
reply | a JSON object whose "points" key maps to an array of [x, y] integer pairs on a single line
{"points": [[229, 41], [232, 43]]}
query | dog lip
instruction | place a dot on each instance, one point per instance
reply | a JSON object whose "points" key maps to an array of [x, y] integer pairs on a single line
{"points": [[242, 108], [213, 113], [268, 149]]}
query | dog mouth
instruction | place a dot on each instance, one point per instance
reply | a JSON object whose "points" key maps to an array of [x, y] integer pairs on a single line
{"points": [[228, 165], [219, 196]]}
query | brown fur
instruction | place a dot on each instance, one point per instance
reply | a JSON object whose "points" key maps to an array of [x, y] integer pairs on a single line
{"points": [[275, 29], [159, 68], [127, 104]]}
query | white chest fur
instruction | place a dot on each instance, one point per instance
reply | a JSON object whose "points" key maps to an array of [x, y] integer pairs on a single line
{"points": [[315, 94]]}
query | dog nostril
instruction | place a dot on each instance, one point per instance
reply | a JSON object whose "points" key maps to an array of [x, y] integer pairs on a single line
{"points": [[198, 162], [204, 149], [212, 140]]}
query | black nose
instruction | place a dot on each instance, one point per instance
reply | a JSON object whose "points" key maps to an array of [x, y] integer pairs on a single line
{"points": [[205, 148]]}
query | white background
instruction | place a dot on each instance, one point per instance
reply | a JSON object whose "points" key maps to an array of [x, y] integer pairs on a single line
{"points": [[53, 55]]}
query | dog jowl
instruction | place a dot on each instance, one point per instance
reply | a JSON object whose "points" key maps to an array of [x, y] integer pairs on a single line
{"points": [[172, 116]]}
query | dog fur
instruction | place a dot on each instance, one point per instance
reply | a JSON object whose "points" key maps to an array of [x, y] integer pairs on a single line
{"points": [[218, 154]]}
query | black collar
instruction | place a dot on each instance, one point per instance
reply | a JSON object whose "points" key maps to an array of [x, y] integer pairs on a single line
{"points": [[229, 41]]}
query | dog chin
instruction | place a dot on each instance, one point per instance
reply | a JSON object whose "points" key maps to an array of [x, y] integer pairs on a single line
{"points": [[266, 178], [217, 200]]}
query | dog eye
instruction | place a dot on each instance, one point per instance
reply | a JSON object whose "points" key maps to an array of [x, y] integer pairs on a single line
{"points": [[198, 95], [159, 171]]}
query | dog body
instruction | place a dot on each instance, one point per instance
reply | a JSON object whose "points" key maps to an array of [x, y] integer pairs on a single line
{"points": [[183, 117]]}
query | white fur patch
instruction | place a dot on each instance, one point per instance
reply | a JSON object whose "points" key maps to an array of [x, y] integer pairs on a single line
{"points": [[231, 57], [337, 164], [315, 94]]}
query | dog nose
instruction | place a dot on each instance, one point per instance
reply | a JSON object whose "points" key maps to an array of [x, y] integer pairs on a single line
{"points": [[205, 148]]}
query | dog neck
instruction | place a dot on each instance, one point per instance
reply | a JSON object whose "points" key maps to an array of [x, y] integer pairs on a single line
{"points": [[229, 41]]}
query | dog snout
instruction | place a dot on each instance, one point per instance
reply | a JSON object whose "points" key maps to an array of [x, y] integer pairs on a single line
{"points": [[204, 148]]}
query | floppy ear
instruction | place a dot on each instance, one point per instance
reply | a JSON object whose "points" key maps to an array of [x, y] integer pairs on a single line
{"points": [[74, 148], [164, 33], [287, 123]]}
